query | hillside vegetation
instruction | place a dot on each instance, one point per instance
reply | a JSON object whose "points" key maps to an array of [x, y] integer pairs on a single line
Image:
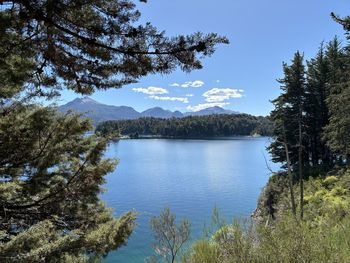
{"points": [[52, 171], [323, 235], [192, 126], [303, 213]]}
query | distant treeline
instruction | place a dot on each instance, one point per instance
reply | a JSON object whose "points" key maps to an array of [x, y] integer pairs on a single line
{"points": [[191, 126]]}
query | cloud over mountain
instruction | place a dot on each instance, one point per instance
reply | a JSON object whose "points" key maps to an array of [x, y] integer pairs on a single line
{"points": [[220, 95], [183, 100], [100, 112], [151, 90], [203, 106]]}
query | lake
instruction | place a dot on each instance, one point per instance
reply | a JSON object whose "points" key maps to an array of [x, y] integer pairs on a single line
{"points": [[189, 176]]}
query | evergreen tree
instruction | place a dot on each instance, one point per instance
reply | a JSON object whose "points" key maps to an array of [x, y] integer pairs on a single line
{"points": [[51, 175], [191, 126], [317, 114], [337, 131], [289, 120], [51, 172], [286, 114], [97, 44]]}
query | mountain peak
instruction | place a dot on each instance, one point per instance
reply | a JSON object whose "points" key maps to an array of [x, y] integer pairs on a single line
{"points": [[160, 108], [212, 110], [216, 107], [155, 108], [100, 112], [157, 112], [85, 100]]}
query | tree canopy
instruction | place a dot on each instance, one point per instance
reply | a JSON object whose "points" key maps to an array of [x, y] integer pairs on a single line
{"points": [[324, 109], [311, 116], [51, 171], [96, 44], [192, 126]]}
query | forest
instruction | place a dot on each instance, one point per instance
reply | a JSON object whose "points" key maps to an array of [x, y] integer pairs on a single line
{"points": [[52, 170], [192, 126], [303, 213]]}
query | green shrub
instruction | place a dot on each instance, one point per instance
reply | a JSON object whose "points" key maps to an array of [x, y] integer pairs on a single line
{"points": [[203, 251], [324, 235]]}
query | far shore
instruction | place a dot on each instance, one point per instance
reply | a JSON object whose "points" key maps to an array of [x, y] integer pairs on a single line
{"points": [[128, 137]]}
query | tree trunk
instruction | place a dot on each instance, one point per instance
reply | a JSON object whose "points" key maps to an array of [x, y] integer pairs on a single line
{"points": [[290, 176], [301, 179]]}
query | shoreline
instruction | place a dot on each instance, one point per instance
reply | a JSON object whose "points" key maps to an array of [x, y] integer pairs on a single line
{"points": [[143, 137]]}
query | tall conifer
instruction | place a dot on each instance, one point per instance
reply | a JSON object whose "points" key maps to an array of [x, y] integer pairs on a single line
{"points": [[51, 172]]}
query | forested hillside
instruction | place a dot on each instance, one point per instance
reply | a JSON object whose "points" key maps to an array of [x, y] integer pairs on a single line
{"points": [[303, 213], [51, 171], [192, 126]]}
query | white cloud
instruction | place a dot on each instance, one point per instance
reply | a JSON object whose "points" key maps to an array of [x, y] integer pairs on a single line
{"points": [[217, 81], [203, 106], [188, 84], [151, 90], [189, 95], [220, 95], [183, 100], [193, 84]]}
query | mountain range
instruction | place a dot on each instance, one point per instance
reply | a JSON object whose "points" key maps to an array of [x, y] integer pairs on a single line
{"points": [[101, 112]]}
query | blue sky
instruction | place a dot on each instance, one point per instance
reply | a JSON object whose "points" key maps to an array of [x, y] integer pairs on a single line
{"points": [[242, 75]]}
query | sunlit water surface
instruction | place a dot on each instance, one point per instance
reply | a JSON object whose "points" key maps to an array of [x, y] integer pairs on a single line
{"points": [[189, 176]]}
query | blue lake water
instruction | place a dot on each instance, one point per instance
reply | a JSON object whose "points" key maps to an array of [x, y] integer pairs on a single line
{"points": [[189, 176]]}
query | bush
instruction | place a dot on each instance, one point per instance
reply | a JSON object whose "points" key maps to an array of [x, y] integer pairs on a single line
{"points": [[324, 235]]}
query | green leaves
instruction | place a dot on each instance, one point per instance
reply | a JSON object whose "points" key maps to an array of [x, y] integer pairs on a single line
{"points": [[51, 171], [191, 126], [96, 45], [289, 109], [51, 175], [324, 98]]}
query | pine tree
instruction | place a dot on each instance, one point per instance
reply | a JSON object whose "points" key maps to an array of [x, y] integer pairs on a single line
{"points": [[51, 177], [96, 44], [289, 120], [51, 172], [337, 131], [317, 114], [286, 113]]}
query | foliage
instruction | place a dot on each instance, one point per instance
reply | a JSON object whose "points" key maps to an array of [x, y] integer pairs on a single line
{"points": [[323, 235], [192, 126], [288, 111], [289, 120], [336, 132], [328, 197], [50, 181], [270, 198], [51, 171], [310, 119], [324, 107], [317, 92], [169, 236], [98, 44], [203, 251]]}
